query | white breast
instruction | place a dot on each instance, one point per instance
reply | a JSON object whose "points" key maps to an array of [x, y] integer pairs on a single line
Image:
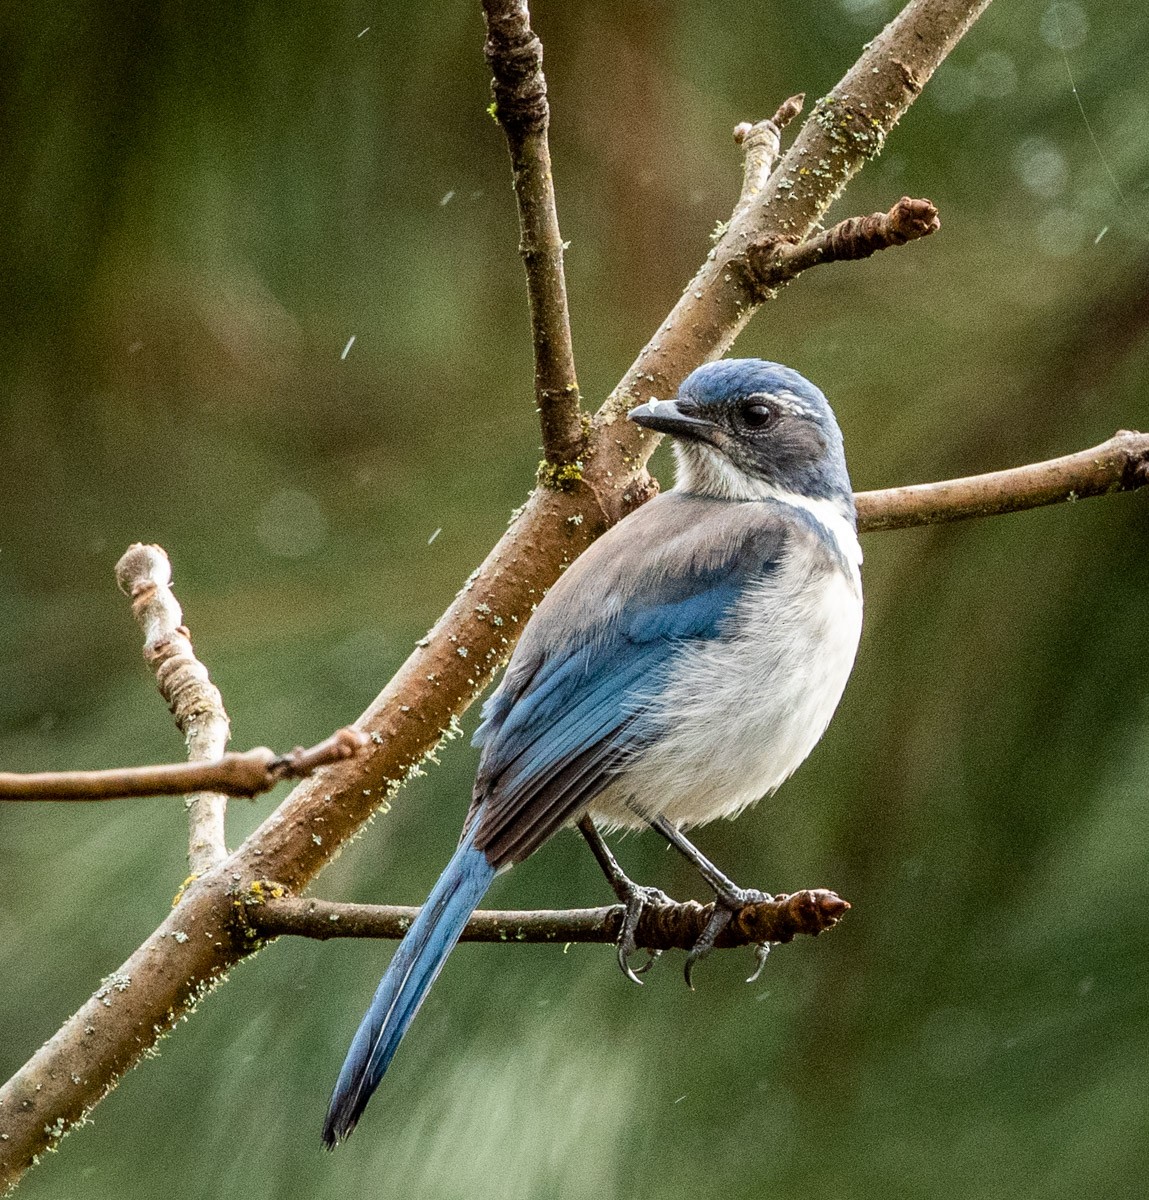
{"points": [[739, 715]]}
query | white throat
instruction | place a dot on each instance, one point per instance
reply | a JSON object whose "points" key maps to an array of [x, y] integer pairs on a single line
{"points": [[704, 472]]}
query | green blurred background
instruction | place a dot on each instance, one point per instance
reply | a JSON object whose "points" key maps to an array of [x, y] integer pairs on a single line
{"points": [[201, 205]]}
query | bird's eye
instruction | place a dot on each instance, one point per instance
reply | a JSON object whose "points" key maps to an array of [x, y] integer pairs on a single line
{"points": [[756, 415]]}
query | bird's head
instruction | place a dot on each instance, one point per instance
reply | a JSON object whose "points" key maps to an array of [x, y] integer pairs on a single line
{"points": [[746, 429]]}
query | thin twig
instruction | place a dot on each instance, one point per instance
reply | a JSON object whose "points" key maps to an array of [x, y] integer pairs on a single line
{"points": [[778, 260], [661, 927], [846, 128], [145, 574], [247, 773], [515, 56], [1119, 465], [761, 144]]}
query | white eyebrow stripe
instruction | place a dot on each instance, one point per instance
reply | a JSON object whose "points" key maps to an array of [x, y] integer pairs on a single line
{"points": [[795, 403]]}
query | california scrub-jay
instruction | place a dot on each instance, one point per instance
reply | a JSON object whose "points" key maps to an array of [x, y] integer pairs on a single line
{"points": [[680, 669]]}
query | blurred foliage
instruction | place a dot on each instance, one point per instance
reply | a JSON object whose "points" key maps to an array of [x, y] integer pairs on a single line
{"points": [[202, 205]]}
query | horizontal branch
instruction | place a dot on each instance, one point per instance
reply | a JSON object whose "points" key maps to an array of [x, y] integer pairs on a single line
{"points": [[661, 927], [248, 773], [1118, 465]]}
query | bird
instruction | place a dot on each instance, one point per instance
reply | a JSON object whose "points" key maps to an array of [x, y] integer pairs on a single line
{"points": [[679, 670]]}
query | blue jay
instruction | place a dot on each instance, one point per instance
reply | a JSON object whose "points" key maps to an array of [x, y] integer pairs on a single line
{"points": [[680, 669]]}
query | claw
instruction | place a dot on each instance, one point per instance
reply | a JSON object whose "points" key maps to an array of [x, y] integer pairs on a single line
{"points": [[653, 957], [626, 968], [688, 969], [633, 896], [726, 904], [761, 953], [637, 898], [718, 921]]}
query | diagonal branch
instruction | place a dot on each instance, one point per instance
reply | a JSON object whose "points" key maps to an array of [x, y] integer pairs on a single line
{"points": [[847, 128], [672, 926], [248, 773], [515, 56], [145, 574]]}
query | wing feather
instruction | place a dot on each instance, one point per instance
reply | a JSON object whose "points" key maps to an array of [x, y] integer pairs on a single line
{"points": [[569, 709]]}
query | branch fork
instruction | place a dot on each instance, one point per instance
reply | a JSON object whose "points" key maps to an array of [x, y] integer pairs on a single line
{"points": [[145, 574], [774, 261], [761, 144]]}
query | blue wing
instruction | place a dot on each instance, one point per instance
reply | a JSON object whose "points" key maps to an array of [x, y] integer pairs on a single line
{"points": [[598, 647]]}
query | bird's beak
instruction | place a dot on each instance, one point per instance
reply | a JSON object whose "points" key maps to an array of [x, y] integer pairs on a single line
{"points": [[667, 416]]}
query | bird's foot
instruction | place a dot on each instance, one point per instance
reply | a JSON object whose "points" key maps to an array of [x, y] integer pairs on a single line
{"points": [[636, 899], [727, 904]]}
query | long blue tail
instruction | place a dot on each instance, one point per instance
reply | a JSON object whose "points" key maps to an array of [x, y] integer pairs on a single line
{"points": [[416, 964]]}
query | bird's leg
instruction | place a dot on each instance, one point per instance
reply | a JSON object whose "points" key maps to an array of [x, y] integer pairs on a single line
{"points": [[633, 896], [728, 898]]}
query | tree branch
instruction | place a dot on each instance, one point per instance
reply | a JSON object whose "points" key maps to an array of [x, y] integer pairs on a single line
{"points": [[515, 55], [172, 970], [1118, 465], [661, 927], [761, 144], [145, 574], [772, 263], [248, 773], [846, 129]]}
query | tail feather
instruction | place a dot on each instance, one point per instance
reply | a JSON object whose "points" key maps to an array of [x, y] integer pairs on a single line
{"points": [[416, 964]]}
